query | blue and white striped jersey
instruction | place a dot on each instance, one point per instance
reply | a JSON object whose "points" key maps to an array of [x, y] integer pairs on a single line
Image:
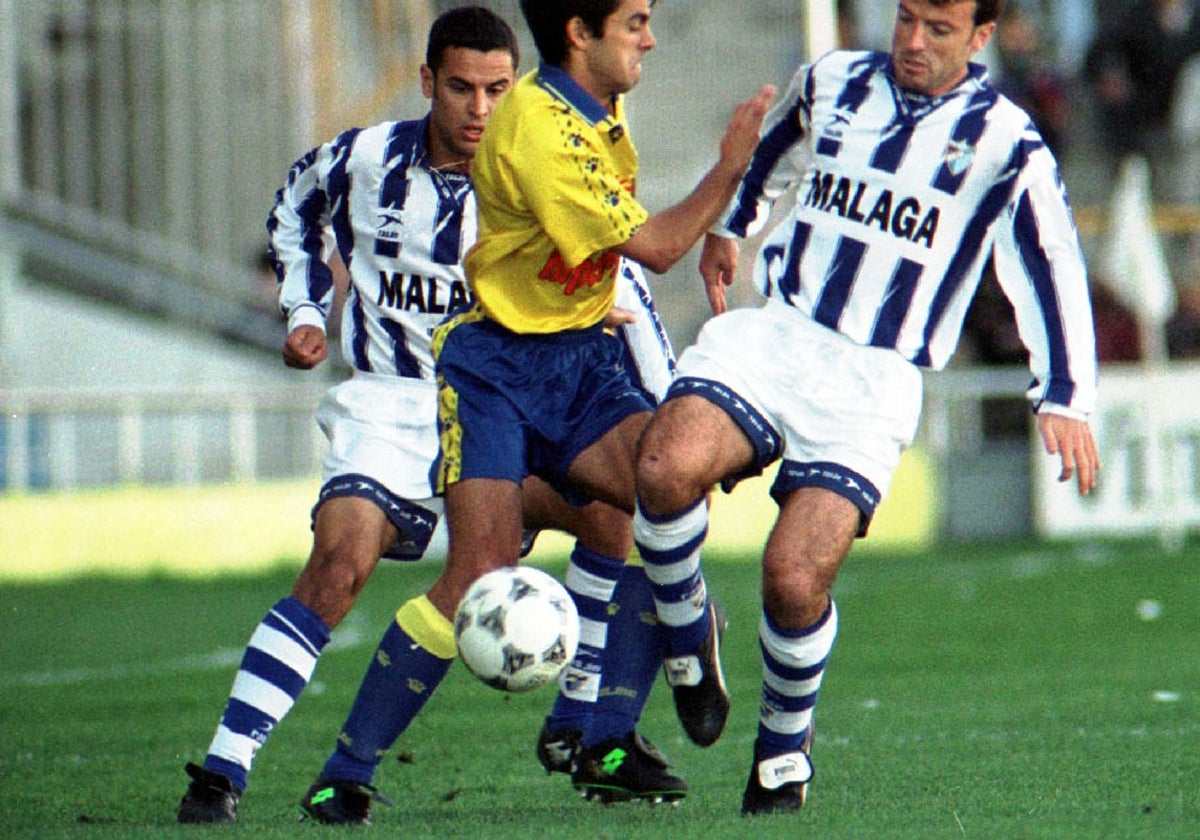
{"points": [[900, 202], [401, 228]]}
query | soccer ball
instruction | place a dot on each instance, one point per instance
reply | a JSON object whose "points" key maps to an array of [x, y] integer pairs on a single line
{"points": [[516, 628]]}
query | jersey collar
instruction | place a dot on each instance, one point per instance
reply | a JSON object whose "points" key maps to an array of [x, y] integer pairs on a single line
{"points": [[914, 106], [976, 78], [418, 151], [560, 84]]}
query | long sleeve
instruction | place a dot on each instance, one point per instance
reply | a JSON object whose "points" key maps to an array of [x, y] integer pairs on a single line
{"points": [[779, 161], [300, 233], [1040, 267]]}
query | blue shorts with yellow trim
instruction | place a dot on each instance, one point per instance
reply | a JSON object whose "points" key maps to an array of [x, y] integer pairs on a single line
{"points": [[513, 405]]}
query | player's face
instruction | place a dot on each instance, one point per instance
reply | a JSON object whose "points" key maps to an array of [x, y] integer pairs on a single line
{"points": [[463, 93], [931, 45], [614, 62]]}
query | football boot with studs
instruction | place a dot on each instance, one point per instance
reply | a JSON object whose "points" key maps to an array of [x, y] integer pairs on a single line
{"points": [[698, 684], [210, 798], [556, 751], [779, 784], [340, 802], [624, 769]]}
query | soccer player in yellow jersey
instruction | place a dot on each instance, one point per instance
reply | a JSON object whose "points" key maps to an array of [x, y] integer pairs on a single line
{"points": [[530, 382]]}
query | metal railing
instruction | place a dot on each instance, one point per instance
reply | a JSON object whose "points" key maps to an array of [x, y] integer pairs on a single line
{"points": [[57, 441], [54, 440]]}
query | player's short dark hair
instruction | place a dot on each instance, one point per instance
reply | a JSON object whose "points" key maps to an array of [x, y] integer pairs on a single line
{"points": [[986, 11], [547, 21], [472, 28]]}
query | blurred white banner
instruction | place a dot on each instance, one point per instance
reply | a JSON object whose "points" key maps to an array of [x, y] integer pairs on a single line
{"points": [[1148, 432]]}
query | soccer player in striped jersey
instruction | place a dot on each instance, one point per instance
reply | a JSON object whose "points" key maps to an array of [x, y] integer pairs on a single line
{"points": [[396, 202], [910, 174]]}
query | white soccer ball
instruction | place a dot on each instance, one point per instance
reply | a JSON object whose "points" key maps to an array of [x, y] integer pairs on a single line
{"points": [[516, 628]]}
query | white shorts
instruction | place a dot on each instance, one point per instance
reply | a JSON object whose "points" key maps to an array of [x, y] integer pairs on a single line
{"points": [[839, 414], [382, 433], [383, 437]]}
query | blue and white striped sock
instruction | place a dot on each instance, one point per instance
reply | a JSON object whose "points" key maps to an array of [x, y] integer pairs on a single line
{"points": [[277, 665], [591, 579], [793, 665], [670, 549]]}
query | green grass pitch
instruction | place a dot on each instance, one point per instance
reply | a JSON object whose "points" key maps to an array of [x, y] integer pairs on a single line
{"points": [[1004, 691]]}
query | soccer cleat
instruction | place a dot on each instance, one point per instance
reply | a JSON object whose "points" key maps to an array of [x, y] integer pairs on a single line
{"points": [[779, 784], [339, 802], [626, 768], [210, 798], [696, 679], [556, 751]]}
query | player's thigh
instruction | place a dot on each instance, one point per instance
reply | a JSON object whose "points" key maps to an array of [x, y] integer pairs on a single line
{"points": [[605, 469], [483, 516], [349, 535], [690, 445], [351, 530], [599, 526]]}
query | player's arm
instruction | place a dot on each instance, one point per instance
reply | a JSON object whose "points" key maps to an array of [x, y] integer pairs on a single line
{"points": [[773, 172], [665, 237], [1039, 264], [299, 229]]}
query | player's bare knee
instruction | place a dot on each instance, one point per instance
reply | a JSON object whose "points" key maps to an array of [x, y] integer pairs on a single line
{"points": [[330, 584], [663, 487], [794, 594]]}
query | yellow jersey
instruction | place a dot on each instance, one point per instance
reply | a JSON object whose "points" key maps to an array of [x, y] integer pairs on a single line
{"points": [[555, 178]]}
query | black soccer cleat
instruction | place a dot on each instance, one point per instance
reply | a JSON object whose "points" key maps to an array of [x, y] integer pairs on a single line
{"points": [[340, 802], [210, 798], [624, 769], [556, 751], [779, 784], [696, 680]]}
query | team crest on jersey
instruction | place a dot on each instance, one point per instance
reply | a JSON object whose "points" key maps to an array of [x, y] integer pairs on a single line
{"points": [[959, 156]]}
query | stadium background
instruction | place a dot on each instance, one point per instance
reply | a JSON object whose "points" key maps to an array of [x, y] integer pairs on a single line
{"points": [[145, 420]]}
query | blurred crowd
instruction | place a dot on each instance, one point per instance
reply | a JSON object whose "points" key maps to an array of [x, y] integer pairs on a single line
{"points": [[1103, 81]]}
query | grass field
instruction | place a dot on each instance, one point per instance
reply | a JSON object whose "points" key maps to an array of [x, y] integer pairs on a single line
{"points": [[1014, 691]]}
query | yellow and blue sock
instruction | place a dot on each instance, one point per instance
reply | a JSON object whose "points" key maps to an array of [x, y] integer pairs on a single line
{"points": [[410, 662]]}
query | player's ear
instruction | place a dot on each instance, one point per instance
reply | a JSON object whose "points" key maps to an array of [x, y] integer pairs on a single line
{"points": [[577, 33], [981, 36], [427, 81]]}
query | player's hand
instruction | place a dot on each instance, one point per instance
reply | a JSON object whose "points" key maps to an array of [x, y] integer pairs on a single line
{"points": [[1072, 441], [741, 136], [618, 316], [718, 266], [305, 347]]}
